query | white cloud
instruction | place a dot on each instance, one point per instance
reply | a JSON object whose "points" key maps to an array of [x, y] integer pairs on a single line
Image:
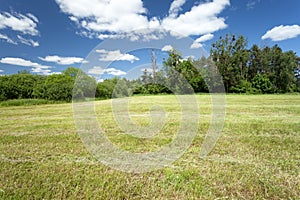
{"points": [[55, 73], [96, 70], [34, 18], [18, 61], [35, 67], [111, 71], [1, 71], [103, 15], [197, 43], [107, 19], [41, 71], [28, 42], [115, 72], [201, 19], [19, 22], [7, 39], [176, 7], [115, 56], [63, 60], [282, 32], [205, 38], [167, 48]]}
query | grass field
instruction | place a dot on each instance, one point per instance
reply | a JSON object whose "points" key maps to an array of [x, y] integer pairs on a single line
{"points": [[256, 157]]}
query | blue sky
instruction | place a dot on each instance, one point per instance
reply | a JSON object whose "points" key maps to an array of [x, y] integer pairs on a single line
{"points": [[48, 36]]}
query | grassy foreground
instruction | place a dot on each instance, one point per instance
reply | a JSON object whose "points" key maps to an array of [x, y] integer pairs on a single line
{"points": [[257, 156]]}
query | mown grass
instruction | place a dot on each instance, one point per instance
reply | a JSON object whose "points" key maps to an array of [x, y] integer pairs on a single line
{"points": [[27, 102], [257, 156]]}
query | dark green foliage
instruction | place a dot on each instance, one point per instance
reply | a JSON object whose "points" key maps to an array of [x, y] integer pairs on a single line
{"points": [[113, 88], [262, 84], [57, 87], [182, 76], [268, 69], [243, 87], [230, 56], [105, 89], [152, 88], [84, 86], [121, 89], [19, 86]]}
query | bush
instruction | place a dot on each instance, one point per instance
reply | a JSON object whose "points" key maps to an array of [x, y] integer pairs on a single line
{"points": [[243, 87], [262, 84]]}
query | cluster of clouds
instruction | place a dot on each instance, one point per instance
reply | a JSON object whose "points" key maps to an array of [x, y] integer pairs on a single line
{"points": [[111, 56], [109, 19], [116, 55], [35, 67], [24, 25], [39, 68], [63, 60]]}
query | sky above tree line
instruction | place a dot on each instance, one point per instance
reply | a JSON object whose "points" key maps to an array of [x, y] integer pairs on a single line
{"points": [[46, 37]]}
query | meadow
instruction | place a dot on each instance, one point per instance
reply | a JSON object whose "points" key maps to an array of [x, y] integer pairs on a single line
{"points": [[256, 157]]}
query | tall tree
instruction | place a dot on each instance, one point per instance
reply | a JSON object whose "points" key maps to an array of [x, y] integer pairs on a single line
{"points": [[230, 55], [182, 76], [255, 62]]}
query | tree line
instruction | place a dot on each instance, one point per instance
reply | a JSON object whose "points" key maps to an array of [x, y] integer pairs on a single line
{"points": [[230, 68]]}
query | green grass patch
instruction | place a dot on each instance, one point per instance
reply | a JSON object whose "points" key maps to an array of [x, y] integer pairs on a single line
{"points": [[27, 102], [256, 157]]}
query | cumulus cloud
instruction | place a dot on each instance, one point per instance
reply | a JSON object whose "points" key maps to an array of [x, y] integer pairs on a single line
{"points": [[197, 43], [115, 72], [167, 48], [63, 60], [96, 70], [7, 39], [205, 38], [107, 19], [28, 42], [106, 16], [111, 71], [279, 33], [201, 19], [27, 24], [41, 71], [1, 71], [115, 55], [35, 67], [176, 7]]}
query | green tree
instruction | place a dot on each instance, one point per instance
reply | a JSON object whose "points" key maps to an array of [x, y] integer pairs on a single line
{"points": [[231, 56], [255, 62], [58, 87], [262, 84], [181, 75]]}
